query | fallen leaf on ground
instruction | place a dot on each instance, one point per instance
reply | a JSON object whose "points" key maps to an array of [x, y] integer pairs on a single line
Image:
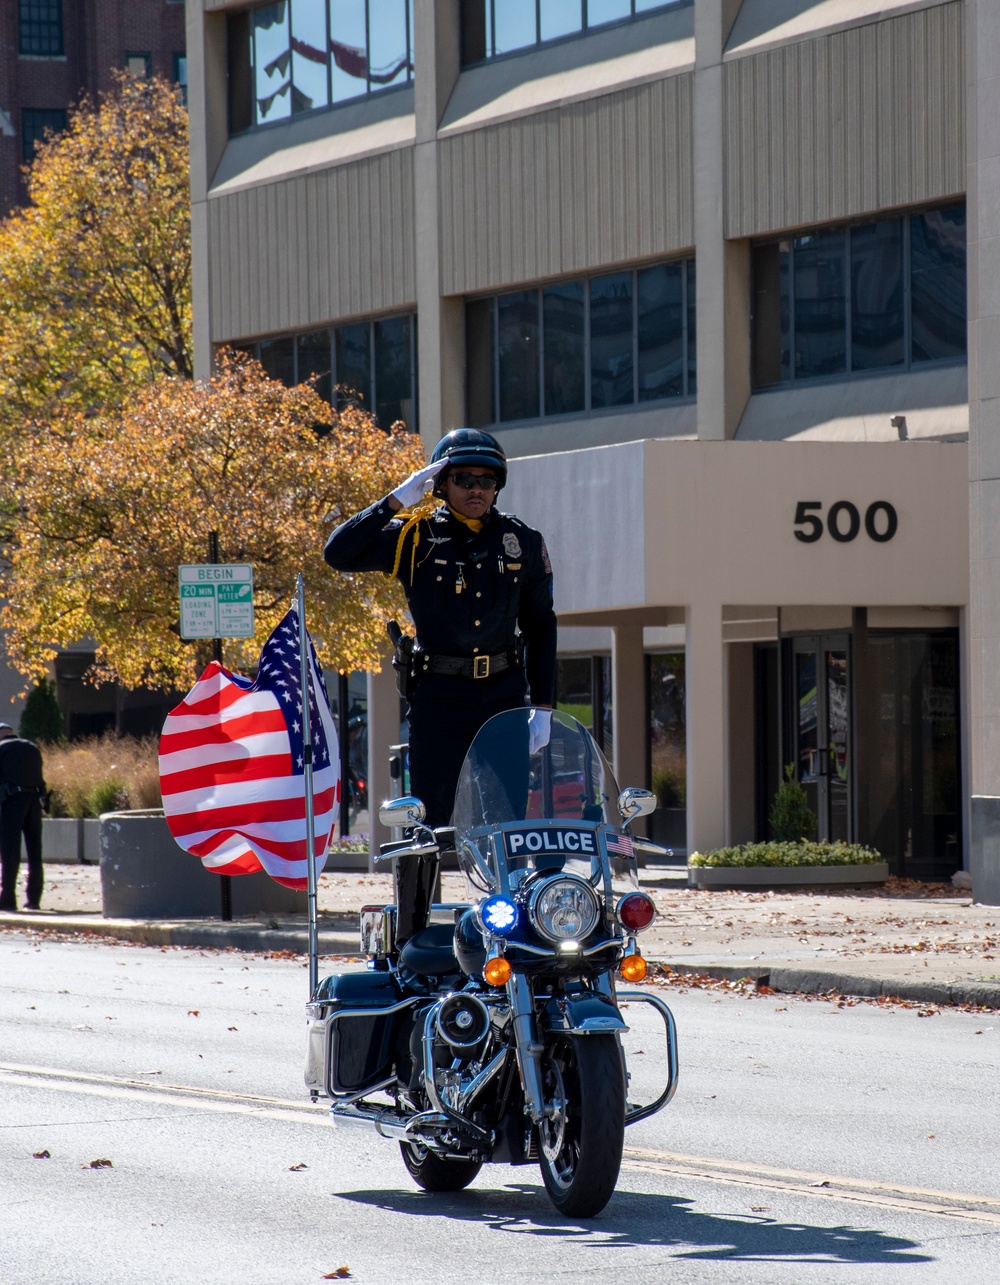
{"points": [[101, 1163], [297, 1168], [193, 1012], [41, 1155], [232, 1028], [339, 1274]]}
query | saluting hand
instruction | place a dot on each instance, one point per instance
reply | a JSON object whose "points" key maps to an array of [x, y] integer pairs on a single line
{"points": [[416, 485]]}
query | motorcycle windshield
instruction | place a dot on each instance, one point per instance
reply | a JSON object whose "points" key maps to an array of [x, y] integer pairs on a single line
{"points": [[529, 801]]}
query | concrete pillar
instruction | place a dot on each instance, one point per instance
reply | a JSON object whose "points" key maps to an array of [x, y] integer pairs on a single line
{"points": [[441, 355], [628, 685], [209, 111], [723, 292], [383, 731], [983, 212], [706, 727]]}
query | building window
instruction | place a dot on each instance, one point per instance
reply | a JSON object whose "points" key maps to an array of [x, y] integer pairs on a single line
{"points": [[888, 293], [34, 124], [492, 28], [371, 363], [139, 65], [40, 30], [299, 55], [181, 75], [573, 347], [666, 708]]}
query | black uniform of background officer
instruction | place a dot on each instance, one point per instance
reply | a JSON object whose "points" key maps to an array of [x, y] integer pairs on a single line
{"points": [[22, 788], [473, 579]]}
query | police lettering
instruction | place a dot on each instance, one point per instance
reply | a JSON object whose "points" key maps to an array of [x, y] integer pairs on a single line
{"points": [[551, 840]]}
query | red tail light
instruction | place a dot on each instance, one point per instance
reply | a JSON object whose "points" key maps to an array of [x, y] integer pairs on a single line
{"points": [[635, 912]]}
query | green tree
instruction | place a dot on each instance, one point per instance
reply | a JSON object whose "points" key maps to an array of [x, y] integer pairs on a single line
{"points": [[792, 819], [41, 718]]}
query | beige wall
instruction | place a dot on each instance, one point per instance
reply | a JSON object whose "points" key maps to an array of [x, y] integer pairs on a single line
{"points": [[862, 119]]}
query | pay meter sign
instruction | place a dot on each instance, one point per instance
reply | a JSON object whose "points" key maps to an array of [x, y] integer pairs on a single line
{"points": [[216, 600]]}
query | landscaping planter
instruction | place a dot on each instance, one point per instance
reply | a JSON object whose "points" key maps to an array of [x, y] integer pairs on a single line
{"points": [[62, 838], [787, 876], [146, 875]]}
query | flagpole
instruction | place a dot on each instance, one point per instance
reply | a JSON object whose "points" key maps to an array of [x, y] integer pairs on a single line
{"points": [[307, 756]]}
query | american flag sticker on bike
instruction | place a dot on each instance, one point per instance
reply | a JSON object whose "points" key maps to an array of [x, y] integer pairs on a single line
{"points": [[620, 844]]}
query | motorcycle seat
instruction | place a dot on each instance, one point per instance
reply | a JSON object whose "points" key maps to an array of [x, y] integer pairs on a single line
{"points": [[430, 952]]}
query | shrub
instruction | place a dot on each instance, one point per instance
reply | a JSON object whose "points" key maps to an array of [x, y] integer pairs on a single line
{"points": [[41, 718], [791, 816], [102, 774], [788, 854]]}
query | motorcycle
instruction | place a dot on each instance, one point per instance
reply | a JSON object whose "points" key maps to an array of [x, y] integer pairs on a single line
{"points": [[493, 1034]]}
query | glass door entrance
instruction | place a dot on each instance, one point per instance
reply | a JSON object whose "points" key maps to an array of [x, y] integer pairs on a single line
{"points": [[821, 729]]}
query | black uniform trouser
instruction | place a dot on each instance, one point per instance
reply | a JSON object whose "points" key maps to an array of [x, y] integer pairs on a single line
{"points": [[20, 815], [444, 716]]}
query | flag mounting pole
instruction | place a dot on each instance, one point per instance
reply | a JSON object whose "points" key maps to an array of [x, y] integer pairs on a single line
{"points": [[307, 760]]}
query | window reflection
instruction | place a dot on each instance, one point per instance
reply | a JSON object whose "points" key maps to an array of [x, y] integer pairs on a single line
{"points": [[601, 11], [559, 18], [491, 28], [611, 340], [877, 295], [661, 332], [820, 323], [354, 365], [938, 289], [299, 55], [517, 338], [393, 384], [513, 25], [565, 359]]}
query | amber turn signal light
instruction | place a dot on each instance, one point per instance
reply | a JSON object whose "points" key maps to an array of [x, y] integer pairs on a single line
{"points": [[633, 968], [497, 971]]}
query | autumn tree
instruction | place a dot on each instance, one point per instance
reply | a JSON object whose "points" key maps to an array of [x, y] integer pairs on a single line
{"points": [[112, 504], [95, 271]]}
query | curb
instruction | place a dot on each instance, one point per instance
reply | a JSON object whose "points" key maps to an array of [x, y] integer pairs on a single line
{"points": [[338, 935], [813, 981]]}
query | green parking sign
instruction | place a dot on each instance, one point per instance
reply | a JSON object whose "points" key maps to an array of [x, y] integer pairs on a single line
{"points": [[216, 600]]}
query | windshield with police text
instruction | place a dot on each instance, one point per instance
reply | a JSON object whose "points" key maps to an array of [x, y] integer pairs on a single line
{"points": [[536, 793]]}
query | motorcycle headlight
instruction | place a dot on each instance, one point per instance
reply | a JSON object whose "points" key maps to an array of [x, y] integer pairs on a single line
{"points": [[564, 909]]}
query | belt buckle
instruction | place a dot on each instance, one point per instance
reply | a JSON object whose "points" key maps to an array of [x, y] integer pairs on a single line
{"points": [[480, 667]]}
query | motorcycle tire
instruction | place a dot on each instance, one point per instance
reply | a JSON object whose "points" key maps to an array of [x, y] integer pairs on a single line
{"points": [[433, 1172], [580, 1149]]}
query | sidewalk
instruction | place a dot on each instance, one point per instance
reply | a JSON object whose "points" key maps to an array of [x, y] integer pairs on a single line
{"points": [[913, 941]]}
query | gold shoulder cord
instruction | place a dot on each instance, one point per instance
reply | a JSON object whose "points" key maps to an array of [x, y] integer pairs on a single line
{"points": [[413, 516]]}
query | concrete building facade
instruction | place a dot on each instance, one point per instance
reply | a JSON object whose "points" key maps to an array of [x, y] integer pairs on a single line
{"points": [[719, 275]]}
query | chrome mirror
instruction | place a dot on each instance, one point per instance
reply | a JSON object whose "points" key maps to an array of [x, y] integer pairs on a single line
{"points": [[633, 803], [405, 811]]}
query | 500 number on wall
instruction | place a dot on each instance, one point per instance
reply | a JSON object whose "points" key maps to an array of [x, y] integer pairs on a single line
{"points": [[843, 521]]}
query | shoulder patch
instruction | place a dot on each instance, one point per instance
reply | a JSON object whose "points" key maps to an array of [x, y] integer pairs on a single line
{"points": [[546, 560]]}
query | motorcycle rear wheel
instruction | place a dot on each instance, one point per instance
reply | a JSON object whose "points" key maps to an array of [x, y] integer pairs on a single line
{"points": [[433, 1172], [580, 1147]]}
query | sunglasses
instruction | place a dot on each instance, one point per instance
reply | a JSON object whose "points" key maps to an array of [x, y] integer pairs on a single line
{"points": [[473, 481]]}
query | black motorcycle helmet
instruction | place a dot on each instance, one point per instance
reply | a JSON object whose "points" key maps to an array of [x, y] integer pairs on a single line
{"points": [[471, 446]]}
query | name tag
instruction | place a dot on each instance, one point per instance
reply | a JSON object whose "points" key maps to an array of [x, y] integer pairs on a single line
{"points": [[524, 843]]}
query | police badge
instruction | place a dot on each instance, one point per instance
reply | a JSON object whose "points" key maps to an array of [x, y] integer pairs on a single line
{"points": [[511, 545]]}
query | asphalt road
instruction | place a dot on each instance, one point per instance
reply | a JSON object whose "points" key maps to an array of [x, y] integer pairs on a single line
{"points": [[807, 1142]]}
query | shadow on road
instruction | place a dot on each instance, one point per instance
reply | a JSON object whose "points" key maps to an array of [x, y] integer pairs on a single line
{"points": [[632, 1220]]}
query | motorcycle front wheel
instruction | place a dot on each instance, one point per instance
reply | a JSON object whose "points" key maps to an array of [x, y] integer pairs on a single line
{"points": [[433, 1172], [580, 1142]]}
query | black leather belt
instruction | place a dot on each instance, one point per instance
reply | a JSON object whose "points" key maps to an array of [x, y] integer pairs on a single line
{"points": [[463, 666]]}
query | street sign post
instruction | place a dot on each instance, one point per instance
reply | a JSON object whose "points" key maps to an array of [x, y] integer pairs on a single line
{"points": [[216, 600]]}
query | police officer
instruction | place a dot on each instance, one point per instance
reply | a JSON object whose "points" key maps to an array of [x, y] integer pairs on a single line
{"points": [[479, 587], [22, 788]]}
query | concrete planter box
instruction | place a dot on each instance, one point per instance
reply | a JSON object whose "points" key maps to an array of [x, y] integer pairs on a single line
{"points": [[71, 839], [146, 875], [787, 876]]}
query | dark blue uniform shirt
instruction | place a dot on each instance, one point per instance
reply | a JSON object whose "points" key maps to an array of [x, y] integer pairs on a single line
{"points": [[470, 592]]}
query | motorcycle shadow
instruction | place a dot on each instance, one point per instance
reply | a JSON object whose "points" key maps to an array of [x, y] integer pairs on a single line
{"points": [[635, 1219]]}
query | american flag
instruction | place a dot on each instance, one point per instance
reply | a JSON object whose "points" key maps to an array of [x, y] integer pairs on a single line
{"points": [[232, 765], [619, 843]]}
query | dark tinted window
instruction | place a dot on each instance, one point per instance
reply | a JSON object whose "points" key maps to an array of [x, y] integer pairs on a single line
{"points": [[813, 318], [354, 364], [277, 356], [393, 371], [611, 382], [937, 284], [820, 322], [517, 342], [40, 27], [660, 321], [565, 348], [877, 295], [34, 123], [315, 358]]}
